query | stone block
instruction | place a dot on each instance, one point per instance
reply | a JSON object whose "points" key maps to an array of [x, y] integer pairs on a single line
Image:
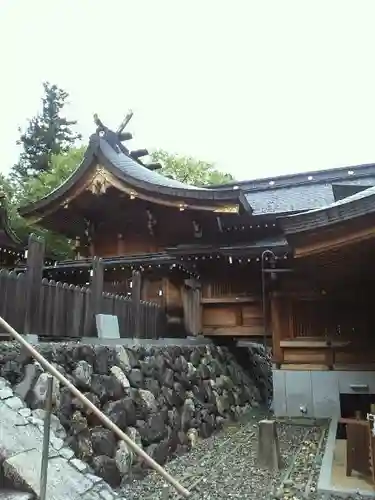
{"points": [[66, 453], [78, 464], [14, 403], [12, 440], [32, 373], [4, 383], [32, 339], [279, 393], [326, 396], [64, 481], [15, 495], [25, 412], [299, 401], [268, 446], [6, 393], [107, 326]]}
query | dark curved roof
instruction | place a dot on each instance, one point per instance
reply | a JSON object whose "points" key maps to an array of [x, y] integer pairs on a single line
{"points": [[133, 169], [107, 150], [302, 191], [351, 207]]}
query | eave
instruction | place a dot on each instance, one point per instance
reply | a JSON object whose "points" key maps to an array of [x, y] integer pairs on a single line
{"points": [[278, 245], [345, 223], [8, 238], [145, 261]]}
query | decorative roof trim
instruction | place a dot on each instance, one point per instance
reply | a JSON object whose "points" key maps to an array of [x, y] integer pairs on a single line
{"points": [[326, 176]]}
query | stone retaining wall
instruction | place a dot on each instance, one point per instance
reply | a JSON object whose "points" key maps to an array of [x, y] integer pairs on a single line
{"points": [[163, 398]]}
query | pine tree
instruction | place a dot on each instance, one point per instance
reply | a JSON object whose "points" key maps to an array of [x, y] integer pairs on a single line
{"points": [[47, 134]]}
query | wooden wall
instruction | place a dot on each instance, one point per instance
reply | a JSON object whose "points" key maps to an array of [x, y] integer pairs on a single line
{"points": [[113, 246], [323, 332], [230, 309]]}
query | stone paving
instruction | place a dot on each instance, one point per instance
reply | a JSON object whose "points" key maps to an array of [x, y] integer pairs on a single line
{"points": [[21, 441]]}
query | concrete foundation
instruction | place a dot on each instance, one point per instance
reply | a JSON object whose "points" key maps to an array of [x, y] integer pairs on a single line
{"points": [[316, 394], [333, 479]]}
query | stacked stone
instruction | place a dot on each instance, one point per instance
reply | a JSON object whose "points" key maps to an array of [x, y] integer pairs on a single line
{"points": [[260, 366], [160, 397]]}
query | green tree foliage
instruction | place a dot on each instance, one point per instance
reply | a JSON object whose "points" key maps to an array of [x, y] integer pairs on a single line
{"points": [[190, 170], [36, 187], [47, 134], [62, 166]]}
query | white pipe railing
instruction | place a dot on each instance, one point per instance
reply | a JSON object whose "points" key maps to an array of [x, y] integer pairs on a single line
{"points": [[87, 403]]}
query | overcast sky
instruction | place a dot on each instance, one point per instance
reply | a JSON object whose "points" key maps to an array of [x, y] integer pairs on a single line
{"points": [[258, 87]]}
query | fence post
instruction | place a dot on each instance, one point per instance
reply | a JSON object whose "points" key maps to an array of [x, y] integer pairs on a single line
{"points": [[33, 282], [96, 295], [136, 302], [46, 438]]}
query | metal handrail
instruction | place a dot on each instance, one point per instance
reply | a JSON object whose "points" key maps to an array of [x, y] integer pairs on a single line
{"points": [[103, 418]]}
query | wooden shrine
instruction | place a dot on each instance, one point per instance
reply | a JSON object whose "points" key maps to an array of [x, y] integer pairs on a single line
{"points": [[286, 261], [273, 257], [196, 248]]}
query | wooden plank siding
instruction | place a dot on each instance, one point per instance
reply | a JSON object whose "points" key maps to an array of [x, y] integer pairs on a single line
{"points": [[66, 311], [231, 309], [321, 333]]}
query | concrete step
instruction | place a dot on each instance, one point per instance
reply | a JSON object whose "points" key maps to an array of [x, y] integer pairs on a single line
{"points": [[15, 495]]}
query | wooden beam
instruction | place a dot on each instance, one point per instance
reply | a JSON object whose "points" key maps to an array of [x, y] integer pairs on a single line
{"points": [[229, 300], [313, 343], [233, 331], [138, 153], [304, 367]]}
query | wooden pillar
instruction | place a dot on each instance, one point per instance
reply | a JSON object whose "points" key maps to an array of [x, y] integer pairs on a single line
{"points": [[136, 300], [33, 283], [277, 329], [96, 295], [281, 324]]}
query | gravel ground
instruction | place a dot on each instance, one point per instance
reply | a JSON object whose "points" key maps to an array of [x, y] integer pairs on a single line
{"points": [[224, 467]]}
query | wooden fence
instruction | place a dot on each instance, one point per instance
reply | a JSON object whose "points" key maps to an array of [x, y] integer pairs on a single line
{"points": [[33, 305]]}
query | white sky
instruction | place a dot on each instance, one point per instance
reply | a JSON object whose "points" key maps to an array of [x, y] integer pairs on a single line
{"points": [[259, 87]]}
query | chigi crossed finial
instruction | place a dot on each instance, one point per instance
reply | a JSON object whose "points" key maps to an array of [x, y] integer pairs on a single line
{"points": [[122, 136], [114, 138]]}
